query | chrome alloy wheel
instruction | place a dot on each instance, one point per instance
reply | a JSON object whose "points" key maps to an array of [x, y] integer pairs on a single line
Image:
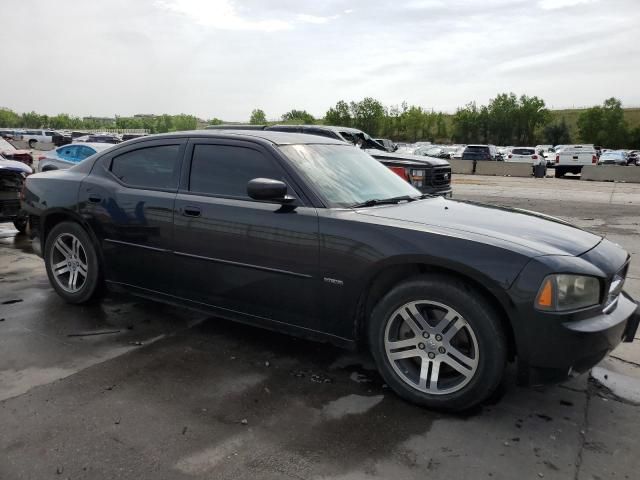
{"points": [[431, 347], [69, 263]]}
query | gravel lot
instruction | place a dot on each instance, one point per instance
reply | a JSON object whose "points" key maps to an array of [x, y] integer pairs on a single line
{"points": [[132, 389]]}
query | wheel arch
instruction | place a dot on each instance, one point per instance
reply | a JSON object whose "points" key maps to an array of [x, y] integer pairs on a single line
{"points": [[56, 216], [389, 275]]}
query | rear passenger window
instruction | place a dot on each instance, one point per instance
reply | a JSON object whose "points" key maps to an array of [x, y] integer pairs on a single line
{"points": [[225, 170], [151, 167]]}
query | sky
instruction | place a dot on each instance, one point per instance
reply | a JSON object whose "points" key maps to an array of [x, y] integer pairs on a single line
{"points": [[223, 58]]}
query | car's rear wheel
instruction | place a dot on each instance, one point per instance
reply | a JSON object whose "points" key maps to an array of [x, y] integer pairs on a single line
{"points": [[438, 343], [32, 144], [72, 263], [559, 172]]}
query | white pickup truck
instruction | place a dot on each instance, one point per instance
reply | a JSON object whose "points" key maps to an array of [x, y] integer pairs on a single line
{"points": [[572, 158], [32, 137]]}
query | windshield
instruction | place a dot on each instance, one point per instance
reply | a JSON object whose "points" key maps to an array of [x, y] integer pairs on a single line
{"points": [[345, 176]]}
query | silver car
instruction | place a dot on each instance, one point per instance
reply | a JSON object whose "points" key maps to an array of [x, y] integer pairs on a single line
{"points": [[69, 155]]}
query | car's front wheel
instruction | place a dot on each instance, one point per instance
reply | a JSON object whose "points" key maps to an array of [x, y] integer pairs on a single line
{"points": [[438, 343], [72, 263]]}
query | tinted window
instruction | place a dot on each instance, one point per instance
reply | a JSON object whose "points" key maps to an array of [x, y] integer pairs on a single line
{"points": [[523, 151], [85, 152], [151, 167], [225, 170], [68, 153]]}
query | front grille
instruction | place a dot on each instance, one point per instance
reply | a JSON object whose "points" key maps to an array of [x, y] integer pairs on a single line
{"points": [[615, 289], [438, 176]]}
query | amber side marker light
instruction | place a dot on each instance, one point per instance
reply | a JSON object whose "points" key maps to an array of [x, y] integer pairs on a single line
{"points": [[545, 297]]}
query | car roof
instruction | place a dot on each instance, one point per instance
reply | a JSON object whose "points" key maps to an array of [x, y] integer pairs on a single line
{"points": [[96, 146], [319, 127], [277, 138]]}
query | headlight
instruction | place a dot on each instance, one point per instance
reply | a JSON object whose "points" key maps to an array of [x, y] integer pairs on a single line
{"points": [[562, 292], [417, 173]]}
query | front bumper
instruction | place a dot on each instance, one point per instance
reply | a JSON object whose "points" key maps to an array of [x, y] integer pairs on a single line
{"points": [[573, 347], [444, 192]]}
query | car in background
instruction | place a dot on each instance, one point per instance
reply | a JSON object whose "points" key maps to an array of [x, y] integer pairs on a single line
{"points": [[480, 153], [7, 133], [131, 136], [433, 151], [345, 134], [634, 157], [524, 155], [9, 152], [69, 155], [429, 175], [613, 157], [12, 177], [571, 158], [33, 136], [99, 138], [61, 138], [547, 152], [388, 144]]}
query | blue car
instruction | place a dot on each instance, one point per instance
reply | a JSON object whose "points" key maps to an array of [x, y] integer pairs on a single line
{"points": [[69, 155]]}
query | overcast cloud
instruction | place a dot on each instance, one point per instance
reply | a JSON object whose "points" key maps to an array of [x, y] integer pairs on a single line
{"points": [[222, 58]]}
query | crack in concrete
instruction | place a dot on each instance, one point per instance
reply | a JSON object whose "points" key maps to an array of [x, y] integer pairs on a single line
{"points": [[583, 434], [629, 362]]}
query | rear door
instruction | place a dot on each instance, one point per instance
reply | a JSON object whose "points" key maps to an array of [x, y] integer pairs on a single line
{"points": [[238, 254], [128, 199]]}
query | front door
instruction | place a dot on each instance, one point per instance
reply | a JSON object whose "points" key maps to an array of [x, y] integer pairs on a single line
{"points": [[241, 255]]}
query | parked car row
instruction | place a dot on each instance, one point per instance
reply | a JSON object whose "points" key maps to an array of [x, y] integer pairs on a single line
{"points": [[62, 137]]}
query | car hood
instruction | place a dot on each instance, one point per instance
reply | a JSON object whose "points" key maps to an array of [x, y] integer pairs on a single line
{"points": [[539, 233], [14, 166], [409, 159]]}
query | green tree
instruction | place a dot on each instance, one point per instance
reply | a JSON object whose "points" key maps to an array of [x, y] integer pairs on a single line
{"points": [[258, 117], [298, 117], [557, 133], [414, 122], [368, 115], [467, 124], [9, 118], [339, 116], [502, 117], [604, 125], [33, 120], [184, 122], [532, 115], [441, 128]]}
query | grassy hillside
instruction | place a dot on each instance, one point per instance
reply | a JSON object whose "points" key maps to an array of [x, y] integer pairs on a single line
{"points": [[631, 115]]}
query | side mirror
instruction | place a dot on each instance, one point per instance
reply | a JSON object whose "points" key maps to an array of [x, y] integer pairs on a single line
{"points": [[268, 189]]}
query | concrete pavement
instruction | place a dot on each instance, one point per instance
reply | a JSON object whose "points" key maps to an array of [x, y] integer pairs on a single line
{"points": [[153, 392]]}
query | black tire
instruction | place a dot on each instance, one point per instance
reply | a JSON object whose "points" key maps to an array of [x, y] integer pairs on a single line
{"points": [[92, 285], [480, 318], [20, 223], [559, 172], [32, 144]]}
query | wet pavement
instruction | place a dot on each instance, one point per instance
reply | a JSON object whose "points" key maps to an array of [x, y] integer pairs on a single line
{"points": [[132, 389]]}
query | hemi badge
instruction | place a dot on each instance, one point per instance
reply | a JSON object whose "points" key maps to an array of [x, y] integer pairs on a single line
{"points": [[333, 281]]}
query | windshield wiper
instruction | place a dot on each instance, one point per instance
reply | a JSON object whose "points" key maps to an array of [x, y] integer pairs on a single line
{"points": [[385, 201]]}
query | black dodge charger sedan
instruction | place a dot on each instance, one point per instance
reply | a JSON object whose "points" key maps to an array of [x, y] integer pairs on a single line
{"points": [[311, 236]]}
